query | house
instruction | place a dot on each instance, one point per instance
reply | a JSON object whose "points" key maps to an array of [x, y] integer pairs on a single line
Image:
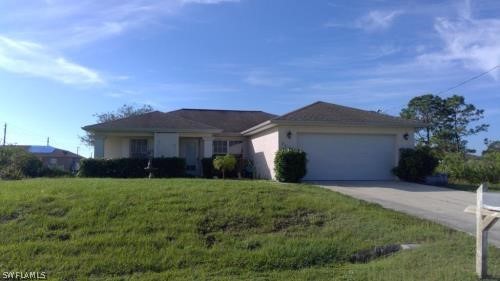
{"points": [[341, 143], [54, 158]]}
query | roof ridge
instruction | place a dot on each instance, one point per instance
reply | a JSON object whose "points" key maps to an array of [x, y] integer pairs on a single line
{"points": [[208, 109], [343, 106], [190, 120], [296, 110]]}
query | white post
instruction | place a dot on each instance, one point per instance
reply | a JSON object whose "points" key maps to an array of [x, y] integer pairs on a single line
{"points": [[481, 235], [208, 147]]}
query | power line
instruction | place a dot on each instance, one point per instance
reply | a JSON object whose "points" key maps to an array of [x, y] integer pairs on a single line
{"points": [[469, 80]]}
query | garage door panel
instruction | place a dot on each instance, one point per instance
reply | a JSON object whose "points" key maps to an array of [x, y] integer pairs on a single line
{"points": [[348, 156]]}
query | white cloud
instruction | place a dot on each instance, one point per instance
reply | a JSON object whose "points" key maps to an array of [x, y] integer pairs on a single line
{"points": [[267, 79], [377, 20], [33, 59], [74, 23], [474, 43]]}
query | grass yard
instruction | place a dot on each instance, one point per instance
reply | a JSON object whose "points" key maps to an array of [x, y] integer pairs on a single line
{"points": [[195, 229]]}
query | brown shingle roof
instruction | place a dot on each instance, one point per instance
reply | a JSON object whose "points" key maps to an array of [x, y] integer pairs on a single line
{"points": [[151, 120], [329, 112], [230, 121]]}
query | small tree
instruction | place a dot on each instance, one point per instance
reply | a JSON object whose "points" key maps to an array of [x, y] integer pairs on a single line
{"points": [[224, 163]]}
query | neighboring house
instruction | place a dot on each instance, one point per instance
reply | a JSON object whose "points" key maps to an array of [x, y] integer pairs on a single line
{"points": [[341, 143], [54, 158]]}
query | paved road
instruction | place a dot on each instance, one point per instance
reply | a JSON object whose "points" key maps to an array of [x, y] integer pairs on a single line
{"points": [[442, 205]]}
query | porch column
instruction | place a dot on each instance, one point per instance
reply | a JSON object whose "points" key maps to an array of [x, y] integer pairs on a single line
{"points": [[208, 146], [99, 146], [166, 145]]}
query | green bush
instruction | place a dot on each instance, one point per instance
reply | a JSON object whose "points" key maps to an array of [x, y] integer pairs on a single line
{"points": [[225, 163], [472, 170], [131, 167], [415, 164], [17, 163], [290, 165], [169, 167], [54, 173]]}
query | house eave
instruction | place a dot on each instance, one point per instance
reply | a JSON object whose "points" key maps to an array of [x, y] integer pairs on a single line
{"points": [[151, 130], [347, 124], [259, 128], [272, 123]]}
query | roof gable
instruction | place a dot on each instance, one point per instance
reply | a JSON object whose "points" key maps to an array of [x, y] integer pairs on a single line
{"points": [[333, 113], [229, 121]]}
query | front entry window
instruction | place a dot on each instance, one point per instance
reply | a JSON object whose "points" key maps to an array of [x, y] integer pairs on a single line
{"points": [[139, 148], [225, 147], [220, 147]]}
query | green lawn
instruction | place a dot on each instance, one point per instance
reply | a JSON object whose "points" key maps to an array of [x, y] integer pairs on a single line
{"points": [[190, 229]]}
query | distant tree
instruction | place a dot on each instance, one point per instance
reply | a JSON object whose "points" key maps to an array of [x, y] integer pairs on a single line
{"points": [[491, 146], [449, 121], [428, 109], [17, 163], [122, 112]]}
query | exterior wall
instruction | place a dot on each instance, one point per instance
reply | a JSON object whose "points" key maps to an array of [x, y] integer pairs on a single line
{"points": [[262, 148], [119, 147], [166, 145], [99, 146], [397, 132]]}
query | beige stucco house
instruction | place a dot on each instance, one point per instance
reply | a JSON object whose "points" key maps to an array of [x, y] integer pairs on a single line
{"points": [[341, 143]]}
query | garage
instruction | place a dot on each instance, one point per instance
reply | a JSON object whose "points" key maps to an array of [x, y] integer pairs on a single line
{"points": [[348, 156]]}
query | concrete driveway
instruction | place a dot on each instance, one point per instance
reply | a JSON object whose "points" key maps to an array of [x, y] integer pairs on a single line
{"points": [[442, 205]]}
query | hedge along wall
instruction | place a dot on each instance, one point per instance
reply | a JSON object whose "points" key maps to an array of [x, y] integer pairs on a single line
{"points": [[132, 168]]}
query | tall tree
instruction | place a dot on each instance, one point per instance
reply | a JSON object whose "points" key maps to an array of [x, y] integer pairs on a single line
{"points": [[457, 124], [122, 112], [449, 121], [425, 108]]}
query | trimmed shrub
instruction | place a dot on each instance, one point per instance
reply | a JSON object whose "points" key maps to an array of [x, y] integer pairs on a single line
{"points": [[207, 166], [290, 165], [54, 173], [131, 167], [415, 164], [225, 163], [169, 167]]}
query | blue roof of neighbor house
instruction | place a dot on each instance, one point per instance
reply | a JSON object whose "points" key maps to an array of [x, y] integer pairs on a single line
{"points": [[41, 149], [47, 151]]}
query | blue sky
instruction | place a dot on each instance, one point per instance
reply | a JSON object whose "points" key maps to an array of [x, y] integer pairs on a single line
{"points": [[63, 61]]}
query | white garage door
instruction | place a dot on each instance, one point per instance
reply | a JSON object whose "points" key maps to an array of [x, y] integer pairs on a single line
{"points": [[348, 157]]}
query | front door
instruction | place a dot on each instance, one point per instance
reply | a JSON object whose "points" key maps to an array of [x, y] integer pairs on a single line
{"points": [[189, 151]]}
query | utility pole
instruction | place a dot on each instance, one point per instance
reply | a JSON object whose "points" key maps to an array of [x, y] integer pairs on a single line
{"points": [[4, 133], [77, 150], [48, 141]]}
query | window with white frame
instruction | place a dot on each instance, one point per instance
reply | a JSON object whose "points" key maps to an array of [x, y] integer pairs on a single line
{"points": [[220, 147], [138, 148], [235, 147], [226, 146]]}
